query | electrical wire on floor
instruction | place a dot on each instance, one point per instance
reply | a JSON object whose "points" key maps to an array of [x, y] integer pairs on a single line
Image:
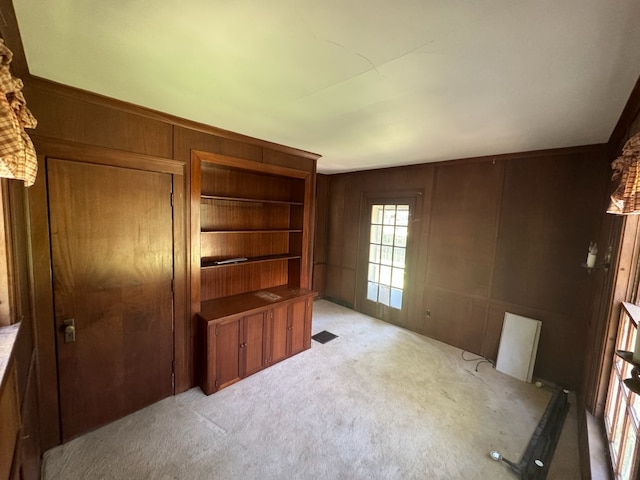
{"points": [[480, 359]]}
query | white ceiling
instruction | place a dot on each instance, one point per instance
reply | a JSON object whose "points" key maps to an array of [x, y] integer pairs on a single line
{"points": [[363, 83]]}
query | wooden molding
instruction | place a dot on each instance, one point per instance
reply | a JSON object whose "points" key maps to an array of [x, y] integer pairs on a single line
{"points": [[105, 156]]}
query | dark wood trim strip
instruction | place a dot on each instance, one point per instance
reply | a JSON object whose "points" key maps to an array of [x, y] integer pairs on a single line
{"points": [[66, 150], [579, 150], [235, 162], [42, 287]]}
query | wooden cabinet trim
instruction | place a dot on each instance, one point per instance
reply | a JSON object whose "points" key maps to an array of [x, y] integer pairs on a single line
{"points": [[243, 164], [66, 150]]}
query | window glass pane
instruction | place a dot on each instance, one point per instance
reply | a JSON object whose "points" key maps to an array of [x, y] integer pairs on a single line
{"points": [[612, 402], [376, 234], [401, 237], [374, 269], [387, 235], [384, 295], [398, 257], [397, 278], [618, 428], [396, 298], [402, 215], [374, 253], [387, 255], [627, 453], [385, 275], [372, 291], [376, 214], [389, 215]]}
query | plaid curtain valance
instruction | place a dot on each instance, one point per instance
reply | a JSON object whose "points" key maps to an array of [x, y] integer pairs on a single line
{"points": [[625, 200], [17, 155]]}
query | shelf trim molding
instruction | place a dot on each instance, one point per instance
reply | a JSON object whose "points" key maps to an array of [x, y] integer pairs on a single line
{"points": [[249, 200], [252, 165]]}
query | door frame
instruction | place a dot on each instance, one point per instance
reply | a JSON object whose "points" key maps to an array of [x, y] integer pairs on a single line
{"points": [[362, 262], [41, 268]]}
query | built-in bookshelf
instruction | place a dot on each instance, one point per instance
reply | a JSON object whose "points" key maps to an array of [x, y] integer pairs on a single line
{"points": [[251, 236]]}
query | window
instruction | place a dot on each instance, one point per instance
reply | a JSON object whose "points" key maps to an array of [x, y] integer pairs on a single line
{"points": [[622, 410], [387, 254], [622, 407]]}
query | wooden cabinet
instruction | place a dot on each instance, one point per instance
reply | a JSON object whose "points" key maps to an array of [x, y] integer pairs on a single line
{"points": [[10, 421], [266, 327], [288, 330], [234, 349], [251, 231]]}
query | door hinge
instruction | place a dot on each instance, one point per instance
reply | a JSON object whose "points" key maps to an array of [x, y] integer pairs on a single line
{"points": [[172, 199], [216, 383]]}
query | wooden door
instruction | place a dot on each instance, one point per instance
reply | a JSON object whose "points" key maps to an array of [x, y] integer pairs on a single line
{"points": [[278, 325], [384, 259], [252, 352], [112, 256], [227, 353]]}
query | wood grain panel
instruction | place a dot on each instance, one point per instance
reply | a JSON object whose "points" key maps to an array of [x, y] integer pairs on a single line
{"points": [[297, 317], [320, 233], [296, 161], [278, 334], [221, 246], [226, 355], [234, 182], [66, 117], [464, 215], [10, 420], [336, 220], [333, 282], [253, 346], [455, 319], [231, 215], [221, 282], [550, 213], [446, 314]]}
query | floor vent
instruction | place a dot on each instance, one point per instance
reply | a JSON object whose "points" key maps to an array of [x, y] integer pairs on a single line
{"points": [[324, 336]]}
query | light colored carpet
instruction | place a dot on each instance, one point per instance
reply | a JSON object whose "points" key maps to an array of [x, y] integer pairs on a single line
{"points": [[379, 402]]}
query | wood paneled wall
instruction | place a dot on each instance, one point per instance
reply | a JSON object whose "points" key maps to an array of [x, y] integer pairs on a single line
{"points": [[505, 233], [77, 125]]}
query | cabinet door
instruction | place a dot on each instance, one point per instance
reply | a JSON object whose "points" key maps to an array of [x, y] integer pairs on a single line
{"points": [[299, 326], [278, 325], [252, 347], [227, 353]]}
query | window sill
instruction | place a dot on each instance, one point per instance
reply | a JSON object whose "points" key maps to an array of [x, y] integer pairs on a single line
{"points": [[8, 337]]}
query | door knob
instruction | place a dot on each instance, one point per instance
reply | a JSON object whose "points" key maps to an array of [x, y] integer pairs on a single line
{"points": [[69, 330]]}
